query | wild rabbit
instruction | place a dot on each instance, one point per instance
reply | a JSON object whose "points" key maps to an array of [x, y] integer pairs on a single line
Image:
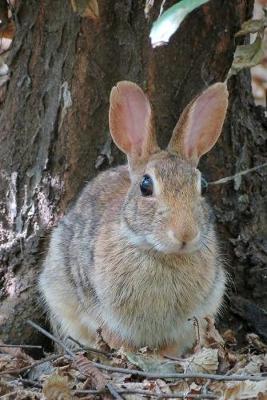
{"points": [[137, 254]]}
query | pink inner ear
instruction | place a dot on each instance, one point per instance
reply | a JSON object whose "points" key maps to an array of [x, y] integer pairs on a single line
{"points": [[130, 115], [137, 114], [206, 118]]}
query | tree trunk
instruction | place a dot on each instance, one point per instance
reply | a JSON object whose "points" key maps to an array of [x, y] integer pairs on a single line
{"points": [[54, 131]]}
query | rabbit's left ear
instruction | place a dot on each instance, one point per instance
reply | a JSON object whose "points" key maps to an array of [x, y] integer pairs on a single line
{"points": [[200, 124]]}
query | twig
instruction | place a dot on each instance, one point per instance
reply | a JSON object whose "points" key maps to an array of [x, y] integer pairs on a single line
{"points": [[197, 332], [52, 337], [114, 392], [148, 393], [176, 359], [85, 366], [29, 382], [150, 375], [22, 346], [91, 349], [35, 364], [232, 177]]}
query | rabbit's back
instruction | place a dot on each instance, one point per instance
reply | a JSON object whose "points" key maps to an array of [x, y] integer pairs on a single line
{"points": [[65, 281]]}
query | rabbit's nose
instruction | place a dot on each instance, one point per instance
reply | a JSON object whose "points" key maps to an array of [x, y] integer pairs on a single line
{"points": [[185, 236]]}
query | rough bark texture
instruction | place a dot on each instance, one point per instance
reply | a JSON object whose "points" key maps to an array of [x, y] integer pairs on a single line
{"points": [[54, 131]]}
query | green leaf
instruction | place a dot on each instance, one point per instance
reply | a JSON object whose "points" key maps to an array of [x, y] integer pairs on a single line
{"points": [[247, 56], [167, 24], [252, 26]]}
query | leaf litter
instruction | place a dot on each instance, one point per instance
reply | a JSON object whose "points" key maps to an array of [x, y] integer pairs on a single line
{"points": [[207, 372]]}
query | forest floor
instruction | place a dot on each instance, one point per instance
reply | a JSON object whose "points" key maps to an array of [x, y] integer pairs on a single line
{"points": [[218, 369]]}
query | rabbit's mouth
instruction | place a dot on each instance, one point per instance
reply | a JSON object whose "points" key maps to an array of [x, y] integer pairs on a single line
{"points": [[170, 246], [166, 245]]}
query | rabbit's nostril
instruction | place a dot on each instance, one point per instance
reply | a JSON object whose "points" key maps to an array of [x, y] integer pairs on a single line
{"points": [[183, 238]]}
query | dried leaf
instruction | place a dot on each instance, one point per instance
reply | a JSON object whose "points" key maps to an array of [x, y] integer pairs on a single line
{"points": [[205, 361], [22, 395], [256, 342], [252, 26], [151, 363], [13, 359], [5, 387], [162, 387], [167, 24], [244, 390], [86, 8], [253, 367], [247, 56], [99, 380], [56, 387], [229, 337], [212, 338], [37, 371]]}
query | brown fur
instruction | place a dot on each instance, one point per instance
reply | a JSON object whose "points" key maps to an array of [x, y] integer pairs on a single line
{"points": [[138, 267]]}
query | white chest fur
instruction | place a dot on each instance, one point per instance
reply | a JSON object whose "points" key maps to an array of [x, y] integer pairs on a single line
{"points": [[148, 301]]}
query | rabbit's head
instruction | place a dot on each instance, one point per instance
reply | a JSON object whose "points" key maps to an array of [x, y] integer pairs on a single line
{"points": [[164, 208]]}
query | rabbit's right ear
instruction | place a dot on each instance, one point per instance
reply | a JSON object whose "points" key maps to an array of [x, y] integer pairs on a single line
{"points": [[130, 121]]}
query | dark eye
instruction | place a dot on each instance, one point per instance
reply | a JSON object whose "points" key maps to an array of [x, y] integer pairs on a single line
{"points": [[146, 186], [204, 185]]}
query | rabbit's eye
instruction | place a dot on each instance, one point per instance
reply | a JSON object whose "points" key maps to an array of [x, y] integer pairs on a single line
{"points": [[146, 186], [204, 185]]}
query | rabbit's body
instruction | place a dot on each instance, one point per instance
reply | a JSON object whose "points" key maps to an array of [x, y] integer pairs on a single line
{"points": [[115, 261]]}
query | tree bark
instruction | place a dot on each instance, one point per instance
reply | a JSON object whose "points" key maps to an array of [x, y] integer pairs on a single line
{"points": [[54, 132]]}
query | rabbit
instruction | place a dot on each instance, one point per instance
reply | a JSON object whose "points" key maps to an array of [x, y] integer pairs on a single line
{"points": [[137, 254]]}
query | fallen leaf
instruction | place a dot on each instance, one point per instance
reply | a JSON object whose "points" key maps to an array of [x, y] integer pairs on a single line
{"points": [[162, 387], [229, 337], [13, 359], [212, 337], [244, 390], [5, 387], [37, 371], [254, 365], [22, 395], [169, 21], [205, 361], [256, 342], [99, 380], [151, 363]]}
